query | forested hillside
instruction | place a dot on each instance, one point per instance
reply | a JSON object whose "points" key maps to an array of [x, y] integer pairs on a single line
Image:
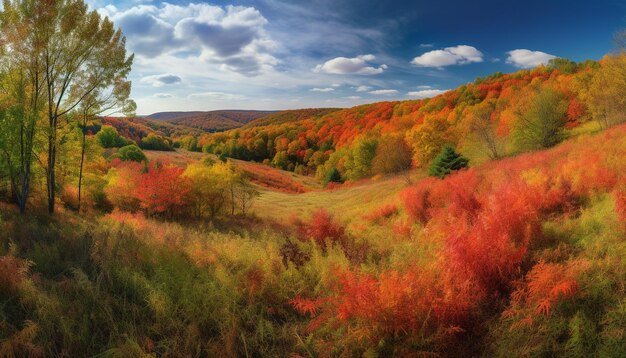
{"points": [[213, 121], [487, 119]]}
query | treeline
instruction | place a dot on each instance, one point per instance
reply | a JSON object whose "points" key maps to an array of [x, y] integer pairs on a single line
{"points": [[493, 117]]}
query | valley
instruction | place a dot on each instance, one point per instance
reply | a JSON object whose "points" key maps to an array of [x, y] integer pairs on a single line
{"points": [[395, 179]]}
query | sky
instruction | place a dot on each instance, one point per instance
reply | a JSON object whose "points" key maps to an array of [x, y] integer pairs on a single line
{"points": [[281, 54]]}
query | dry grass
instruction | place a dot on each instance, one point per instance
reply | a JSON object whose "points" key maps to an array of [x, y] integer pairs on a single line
{"points": [[347, 203], [285, 194]]}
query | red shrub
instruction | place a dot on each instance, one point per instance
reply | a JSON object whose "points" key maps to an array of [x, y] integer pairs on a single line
{"points": [[458, 193], [546, 285], [491, 249], [162, 189], [123, 183], [417, 201], [321, 228], [384, 212]]}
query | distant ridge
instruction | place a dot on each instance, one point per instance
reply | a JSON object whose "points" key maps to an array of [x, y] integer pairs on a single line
{"points": [[210, 121], [292, 115]]}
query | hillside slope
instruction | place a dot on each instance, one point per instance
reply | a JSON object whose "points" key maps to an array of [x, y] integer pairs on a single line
{"points": [[211, 121], [479, 118], [515, 257], [294, 115], [137, 128]]}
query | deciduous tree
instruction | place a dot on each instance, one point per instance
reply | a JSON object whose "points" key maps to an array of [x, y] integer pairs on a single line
{"points": [[73, 53], [606, 94], [542, 124]]}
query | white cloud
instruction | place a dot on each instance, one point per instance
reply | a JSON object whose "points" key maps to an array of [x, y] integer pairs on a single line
{"points": [[217, 96], [427, 93], [426, 45], [162, 95], [344, 66], [336, 85], [327, 89], [161, 80], [457, 55], [108, 10], [363, 88], [384, 92], [232, 37], [353, 97], [523, 58]]}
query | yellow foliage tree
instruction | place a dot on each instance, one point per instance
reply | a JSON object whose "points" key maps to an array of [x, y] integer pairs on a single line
{"points": [[428, 138], [606, 93]]}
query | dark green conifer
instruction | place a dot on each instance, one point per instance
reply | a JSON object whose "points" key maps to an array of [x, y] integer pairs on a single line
{"points": [[446, 162]]}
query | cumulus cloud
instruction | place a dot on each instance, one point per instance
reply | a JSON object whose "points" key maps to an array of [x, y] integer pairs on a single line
{"points": [[162, 95], [363, 88], [353, 97], [457, 55], [161, 80], [427, 93], [345, 66], [384, 92], [523, 58], [327, 89], [234, 37]]}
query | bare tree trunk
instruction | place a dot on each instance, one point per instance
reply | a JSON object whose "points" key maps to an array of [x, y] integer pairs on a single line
{"points": [[232, 198], [51, 180], [80, 171]]}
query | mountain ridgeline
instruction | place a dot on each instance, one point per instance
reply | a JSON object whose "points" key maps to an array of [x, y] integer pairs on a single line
{"points": [[212, 121]]}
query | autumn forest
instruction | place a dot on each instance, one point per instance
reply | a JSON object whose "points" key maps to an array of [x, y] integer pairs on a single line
{"points": [[488, 220]]}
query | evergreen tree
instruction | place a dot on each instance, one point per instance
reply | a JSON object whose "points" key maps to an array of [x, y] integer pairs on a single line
{"points": [[333, 176], [446, 162]]}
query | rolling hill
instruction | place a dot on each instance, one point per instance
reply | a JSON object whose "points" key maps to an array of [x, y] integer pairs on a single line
{"points": [[290, 116], [211, 121], [479, 118]]}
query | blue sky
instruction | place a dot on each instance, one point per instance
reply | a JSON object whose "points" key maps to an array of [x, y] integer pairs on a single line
{"points": [[279, 54]]}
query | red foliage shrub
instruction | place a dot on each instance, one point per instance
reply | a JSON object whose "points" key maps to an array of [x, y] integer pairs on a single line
{"points": [[402, 229], [589, 174], [417, 201], [392, 304], [492, 248], [162, 189], [306, 306], [575, 111], [384, 212], [122, 187], [321, 228], [458, 194], [546, 285]]}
